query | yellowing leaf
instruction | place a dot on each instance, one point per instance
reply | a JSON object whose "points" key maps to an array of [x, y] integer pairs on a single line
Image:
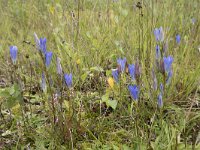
{"points": [[66, 104], [78, 61], [111, 82], [16, 109], [51, 9]]}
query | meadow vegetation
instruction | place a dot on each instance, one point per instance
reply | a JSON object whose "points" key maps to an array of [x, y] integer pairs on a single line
{"points": [[100, 74]]}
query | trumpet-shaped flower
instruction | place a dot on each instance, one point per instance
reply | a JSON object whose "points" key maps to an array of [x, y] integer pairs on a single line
{"points": [[161, 88], [158, 55], [68, 80], [59, 67], [43, 47], [43, 83], [178, 38], [168, 63], [134, 91], [193, 20], [48, 57], [131, 69], [169, 76], [160, 101], [115, 75], [13, 53], [122, 64], [159, 34]]}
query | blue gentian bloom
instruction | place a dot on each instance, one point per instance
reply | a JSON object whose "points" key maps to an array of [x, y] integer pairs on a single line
{"points": [[158, 55], [115, 75], [43, 83], [68, 80], [168, 63], [59, 67], [122, 64], [178, 38], [48, 57], [43, 47], [13, 53], [131, 69], [193, 21], [169, 76], [161, 88], [134, 91], [159, 34], [160, 101]]}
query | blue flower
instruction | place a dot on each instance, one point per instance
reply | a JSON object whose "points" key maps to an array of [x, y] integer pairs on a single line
{"points": [[178, 38], [43, 84], [161, 88], [169, 76], [13, 53], [168, 63], [48, 57], [43, 47], [193, 20], [159, 34], [115, 75], [131, 69], [158, 52], [59, 67], [122, 64], [68, 80], [160, 101], [134, 91]]}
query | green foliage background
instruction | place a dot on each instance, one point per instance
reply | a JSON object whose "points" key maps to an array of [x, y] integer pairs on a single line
{"points": [[89, 36]]}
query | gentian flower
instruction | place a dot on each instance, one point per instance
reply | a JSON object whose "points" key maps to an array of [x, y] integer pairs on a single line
{"points": [[193, 20], [115, 75], [43, 83], [131, 69], [13, 53], [68, 80], [134, 91], [161, 88], [160, 101], [48, 57], [178, 38], [43, 47], [59, 67], [159, 34], [158, 52], [168, 63], [169, 76], [122, 64]]}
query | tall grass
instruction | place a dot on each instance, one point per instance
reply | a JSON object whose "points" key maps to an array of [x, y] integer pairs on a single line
{"points": [[97, 112]]}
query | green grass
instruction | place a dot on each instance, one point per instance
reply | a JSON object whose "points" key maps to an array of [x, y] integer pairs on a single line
{"points": [[89, 36]]}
